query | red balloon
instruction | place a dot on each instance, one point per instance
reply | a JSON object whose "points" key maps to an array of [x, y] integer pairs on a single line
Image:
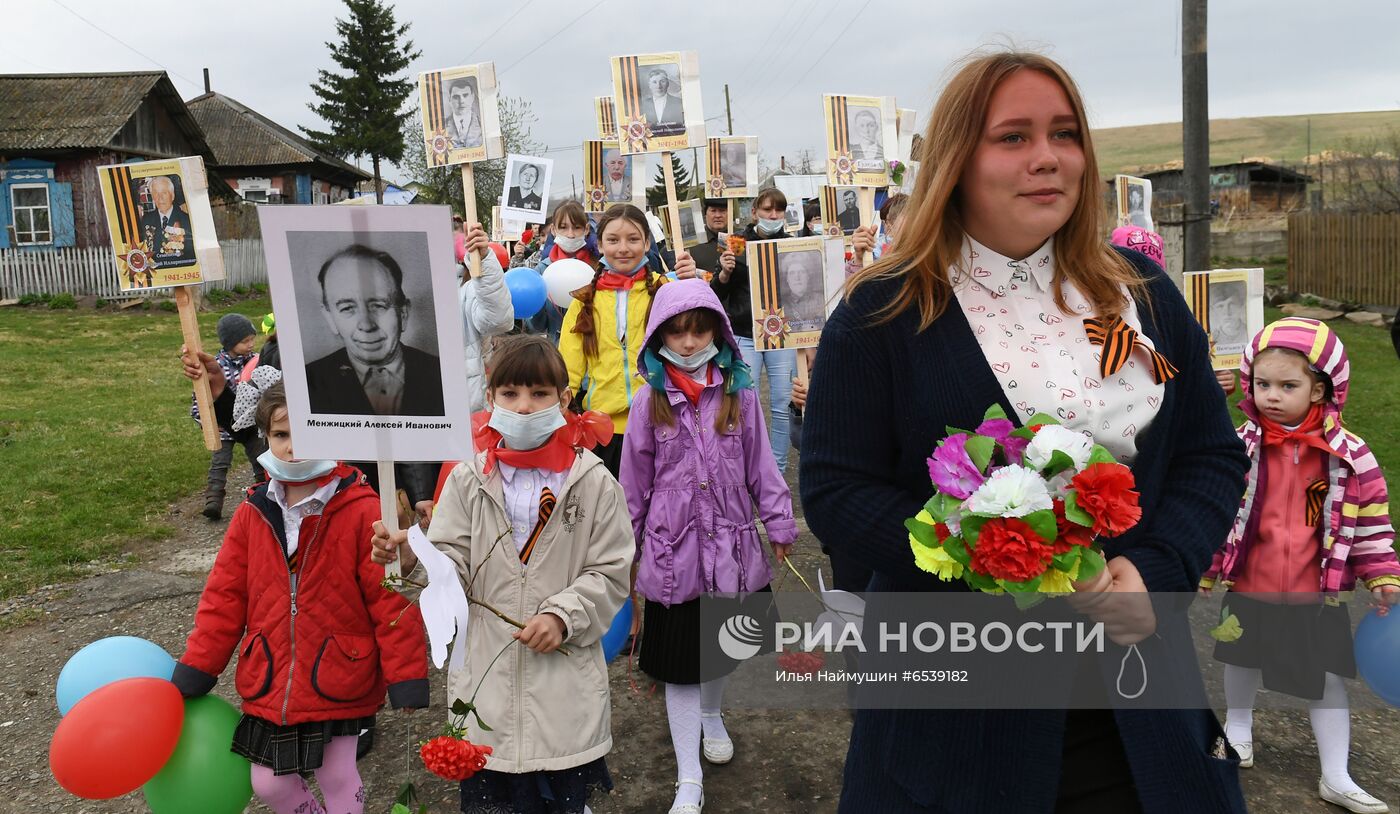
{"points": [[117, 737], [501, 255]]}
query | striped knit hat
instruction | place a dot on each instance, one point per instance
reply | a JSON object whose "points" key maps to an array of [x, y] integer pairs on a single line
{"points": [[1325, 353]]}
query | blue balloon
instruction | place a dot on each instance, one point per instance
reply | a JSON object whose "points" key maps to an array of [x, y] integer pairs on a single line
{"points": [[616, 637], [1377, 650], [107, 660], [527, 292]]}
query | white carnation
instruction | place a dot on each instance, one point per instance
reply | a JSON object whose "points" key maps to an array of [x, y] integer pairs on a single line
{"points": [[1012, 491], [1054, 438]]}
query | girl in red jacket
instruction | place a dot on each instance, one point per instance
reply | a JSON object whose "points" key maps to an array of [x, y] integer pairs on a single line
{"points": [[294, 590]]}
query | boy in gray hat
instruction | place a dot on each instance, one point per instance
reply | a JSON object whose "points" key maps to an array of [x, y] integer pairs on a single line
{"points": [[236, 337]]}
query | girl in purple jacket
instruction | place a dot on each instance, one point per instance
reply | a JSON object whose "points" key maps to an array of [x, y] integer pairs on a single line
{"points": [[694, 462]]}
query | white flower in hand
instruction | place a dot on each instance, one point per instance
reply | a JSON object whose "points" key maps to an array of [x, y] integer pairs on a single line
{"points": [[1053, 438], [1012, 491]]}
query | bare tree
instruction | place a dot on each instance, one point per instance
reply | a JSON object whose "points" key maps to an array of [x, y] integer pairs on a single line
{"points": [[1365, 176], [443, 185], [805, 163]]}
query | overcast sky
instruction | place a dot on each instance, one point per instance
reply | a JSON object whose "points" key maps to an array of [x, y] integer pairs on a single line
{"points": [[1266, 58]]}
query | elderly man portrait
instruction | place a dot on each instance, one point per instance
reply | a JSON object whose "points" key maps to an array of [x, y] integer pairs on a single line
{"points": [[617, 185], [374, 372], [167, 229]]}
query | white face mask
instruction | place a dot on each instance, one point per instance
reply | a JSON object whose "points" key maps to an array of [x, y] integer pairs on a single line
{"points": [[772, 226], [690, 363], [294, 471], [525, 431], [570, 244]]}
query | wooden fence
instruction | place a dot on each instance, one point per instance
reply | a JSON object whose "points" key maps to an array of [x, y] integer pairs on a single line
{"points": [[1351, 258], [93, 271]]}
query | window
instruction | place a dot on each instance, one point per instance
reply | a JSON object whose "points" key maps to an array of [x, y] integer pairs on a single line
{"points": [[30, 203], [255, 195]]}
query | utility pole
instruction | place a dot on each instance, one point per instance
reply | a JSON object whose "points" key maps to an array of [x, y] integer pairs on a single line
{"points": [[727, 113], [573, 185], [1195, 131]]}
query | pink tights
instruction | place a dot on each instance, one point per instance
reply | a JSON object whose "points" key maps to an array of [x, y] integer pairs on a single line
{"points": [[338, 778]]}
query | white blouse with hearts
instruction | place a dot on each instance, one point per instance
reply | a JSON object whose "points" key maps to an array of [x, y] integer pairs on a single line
{"points": [[1042, 356]]}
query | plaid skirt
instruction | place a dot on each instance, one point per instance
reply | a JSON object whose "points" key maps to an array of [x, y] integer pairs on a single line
{"points": [[293, 749]]}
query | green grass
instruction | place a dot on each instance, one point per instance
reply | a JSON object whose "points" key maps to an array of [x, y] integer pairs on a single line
{"points": [[95, 436], [1280, 138], [1275, 268], [1374, 398]]}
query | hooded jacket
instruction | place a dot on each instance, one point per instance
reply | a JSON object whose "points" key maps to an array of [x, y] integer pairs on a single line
{"points": [[321, 644], [486, 312], [1357, 536], [546, 711], [691, 490]]}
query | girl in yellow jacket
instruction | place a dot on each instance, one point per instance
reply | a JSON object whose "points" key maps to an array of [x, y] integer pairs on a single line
{"points": [[607, 321]]}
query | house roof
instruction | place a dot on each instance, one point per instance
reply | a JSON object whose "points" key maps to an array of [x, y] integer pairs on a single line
{"points": [[1259, 170], [83, 110], [242, 137]]}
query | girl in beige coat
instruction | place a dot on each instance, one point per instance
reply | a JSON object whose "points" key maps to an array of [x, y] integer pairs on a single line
{"points": [[539, 530]]}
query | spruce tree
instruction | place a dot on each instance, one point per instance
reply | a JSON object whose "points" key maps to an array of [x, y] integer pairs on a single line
{"points": [[364, 105], [656, 195]]}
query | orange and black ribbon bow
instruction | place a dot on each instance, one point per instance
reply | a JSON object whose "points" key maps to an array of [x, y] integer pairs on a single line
{"points": [[1117, 339], [547, 504], [1317, 495]]}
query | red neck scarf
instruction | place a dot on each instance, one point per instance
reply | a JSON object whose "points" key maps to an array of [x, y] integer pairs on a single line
{"points": [[611, 280], [557, 454], [1309, 432], [556, 254], [684, 383]]}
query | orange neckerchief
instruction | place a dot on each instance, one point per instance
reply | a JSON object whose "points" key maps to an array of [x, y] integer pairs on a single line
{"points": [[611, 280], [557, 454], [1309, 432], [684, 383]]}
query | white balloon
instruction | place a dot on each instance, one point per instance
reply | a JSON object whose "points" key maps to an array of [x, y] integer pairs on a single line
{"points": [[563, 277]]}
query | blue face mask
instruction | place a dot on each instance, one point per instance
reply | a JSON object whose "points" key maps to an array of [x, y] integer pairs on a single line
{"points": [[525, 431], [294, 471], [690, 363], [767, 226]]}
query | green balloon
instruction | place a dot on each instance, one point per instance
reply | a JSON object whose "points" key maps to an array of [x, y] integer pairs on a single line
{"points": [[203, 776]]}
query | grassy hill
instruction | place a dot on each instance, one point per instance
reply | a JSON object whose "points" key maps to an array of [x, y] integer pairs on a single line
{"points": [[1281, 138]]}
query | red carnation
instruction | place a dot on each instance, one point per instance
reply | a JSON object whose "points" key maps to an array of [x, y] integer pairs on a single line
{"points": [[1105, 491], [1009, 549], [1069, 534], [453, 758], [941, 530]]}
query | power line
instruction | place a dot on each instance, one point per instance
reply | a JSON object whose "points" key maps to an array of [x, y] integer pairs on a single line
{"points": [[113, 38], [567, 26], [488, 37], [815, 62]]}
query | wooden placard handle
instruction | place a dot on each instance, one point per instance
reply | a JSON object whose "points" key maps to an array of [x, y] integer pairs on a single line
{"points": [[867, 218], [673, 212], [203, 396], [803, 363], [389, 506], [469, 202]]}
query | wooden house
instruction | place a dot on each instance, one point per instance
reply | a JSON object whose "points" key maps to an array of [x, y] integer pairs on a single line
{"points": [[56, 129]]}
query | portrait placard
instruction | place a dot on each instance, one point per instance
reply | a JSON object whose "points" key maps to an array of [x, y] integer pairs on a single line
{"points": [[608, 177], [525, 196], [461, 121], [658, 102], [731, 163], [503, 231], [1134, 197], [906, 124], [370, 331], [161, 226], [787, 280], [840, 208], [692, 222], [1229, 304], [743, 213], [861, 139], [605, 113]]}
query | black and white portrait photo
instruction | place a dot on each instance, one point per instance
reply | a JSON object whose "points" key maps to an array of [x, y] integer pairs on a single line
{"points": [[527, 188], [800, 289], [461, 102], [733, 164], [1229, 315], [847, 209], [617, 176], [661, 99], [689, 212], [867, 142], [1134, 201], [369, 327]]}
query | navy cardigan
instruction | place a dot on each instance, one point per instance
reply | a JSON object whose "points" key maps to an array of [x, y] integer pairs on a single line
{"points": [[878, 402]]}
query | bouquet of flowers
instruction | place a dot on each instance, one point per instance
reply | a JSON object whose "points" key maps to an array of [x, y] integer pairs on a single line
{"points": [[1021, 510]]}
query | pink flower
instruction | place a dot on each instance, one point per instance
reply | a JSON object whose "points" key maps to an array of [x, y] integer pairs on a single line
{"points": [[951, 470], [999, 430]]}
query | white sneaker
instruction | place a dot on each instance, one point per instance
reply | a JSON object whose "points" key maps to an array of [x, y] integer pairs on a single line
{"points": [[690, 808], [717, 750], [1246, 753], [1357, 801]]}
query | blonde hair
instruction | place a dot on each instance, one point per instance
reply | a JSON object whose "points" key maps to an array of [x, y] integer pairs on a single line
{"points": [[930, 223]]}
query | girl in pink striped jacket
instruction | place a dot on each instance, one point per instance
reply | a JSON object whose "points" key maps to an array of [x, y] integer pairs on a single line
{"points": [[1313, 520]]}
